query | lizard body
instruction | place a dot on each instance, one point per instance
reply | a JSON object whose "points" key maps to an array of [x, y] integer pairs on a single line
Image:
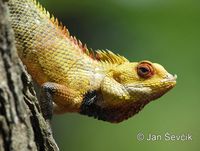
{"points": [[101, 84]]}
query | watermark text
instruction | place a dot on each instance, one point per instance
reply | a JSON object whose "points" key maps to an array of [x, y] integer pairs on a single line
{"points": [[164, 137]]}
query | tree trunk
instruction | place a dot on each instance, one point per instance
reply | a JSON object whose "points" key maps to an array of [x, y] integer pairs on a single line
{"points": [[22, 126]]}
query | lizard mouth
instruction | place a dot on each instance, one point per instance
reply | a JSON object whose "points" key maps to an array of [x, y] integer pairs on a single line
{"points": [[167, 83]]}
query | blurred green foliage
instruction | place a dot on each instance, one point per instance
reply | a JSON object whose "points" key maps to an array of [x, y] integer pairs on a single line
{"points": [[163, 31]]}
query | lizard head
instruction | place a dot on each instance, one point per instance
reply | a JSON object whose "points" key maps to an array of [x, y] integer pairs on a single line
{"points": [[127, 88], [144, 80]]}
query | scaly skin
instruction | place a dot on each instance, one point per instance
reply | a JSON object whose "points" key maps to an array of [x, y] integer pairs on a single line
{"points": [[100, 84]]}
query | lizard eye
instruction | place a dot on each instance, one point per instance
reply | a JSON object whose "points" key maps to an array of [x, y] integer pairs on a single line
{"points": [[145, 70]]}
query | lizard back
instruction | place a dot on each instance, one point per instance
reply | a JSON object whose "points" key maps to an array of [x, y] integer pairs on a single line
{"points": [[44, 45]]}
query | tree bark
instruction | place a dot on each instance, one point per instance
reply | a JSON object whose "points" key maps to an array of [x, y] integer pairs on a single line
{"points": [[22, 126]]}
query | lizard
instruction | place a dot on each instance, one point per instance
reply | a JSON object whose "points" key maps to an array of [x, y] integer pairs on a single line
{"points": [[100, 83]]}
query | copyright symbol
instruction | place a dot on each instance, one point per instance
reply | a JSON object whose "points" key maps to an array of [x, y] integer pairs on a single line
{"points": [[140, 136]]}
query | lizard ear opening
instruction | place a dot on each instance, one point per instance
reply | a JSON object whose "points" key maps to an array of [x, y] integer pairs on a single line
{"points": [[145, 70]]}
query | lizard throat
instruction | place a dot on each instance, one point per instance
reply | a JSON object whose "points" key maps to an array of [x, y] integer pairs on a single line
{"points": [[114, 114]]}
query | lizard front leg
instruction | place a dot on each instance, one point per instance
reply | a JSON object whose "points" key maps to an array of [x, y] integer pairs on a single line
{"points": [[58, 98]]}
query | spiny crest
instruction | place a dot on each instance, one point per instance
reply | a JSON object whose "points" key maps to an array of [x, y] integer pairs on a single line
{"points": [[78, 43], [63, 28], [110, 57], [99, 55], [54, 20]]}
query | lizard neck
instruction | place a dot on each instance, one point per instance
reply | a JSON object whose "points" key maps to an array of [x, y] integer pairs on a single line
{"points": [[98, 72]]}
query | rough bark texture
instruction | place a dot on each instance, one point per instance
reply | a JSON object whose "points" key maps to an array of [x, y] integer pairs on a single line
{"points": [[22, 127]]}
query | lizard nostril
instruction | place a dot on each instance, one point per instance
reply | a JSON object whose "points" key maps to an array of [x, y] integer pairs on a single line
{"points": [[170, 77]]}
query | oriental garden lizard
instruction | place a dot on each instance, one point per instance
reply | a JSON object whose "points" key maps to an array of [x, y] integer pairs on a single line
{"points": [[101, 84]]}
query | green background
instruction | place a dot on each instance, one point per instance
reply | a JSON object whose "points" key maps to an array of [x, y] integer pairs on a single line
{"points": [[163, 31]]}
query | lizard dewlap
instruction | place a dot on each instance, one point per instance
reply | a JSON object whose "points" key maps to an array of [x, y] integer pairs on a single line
{"points": [[100, 84]]}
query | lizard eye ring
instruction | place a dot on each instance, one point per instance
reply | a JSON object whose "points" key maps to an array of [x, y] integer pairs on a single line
{"points": [[145, 70]]}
